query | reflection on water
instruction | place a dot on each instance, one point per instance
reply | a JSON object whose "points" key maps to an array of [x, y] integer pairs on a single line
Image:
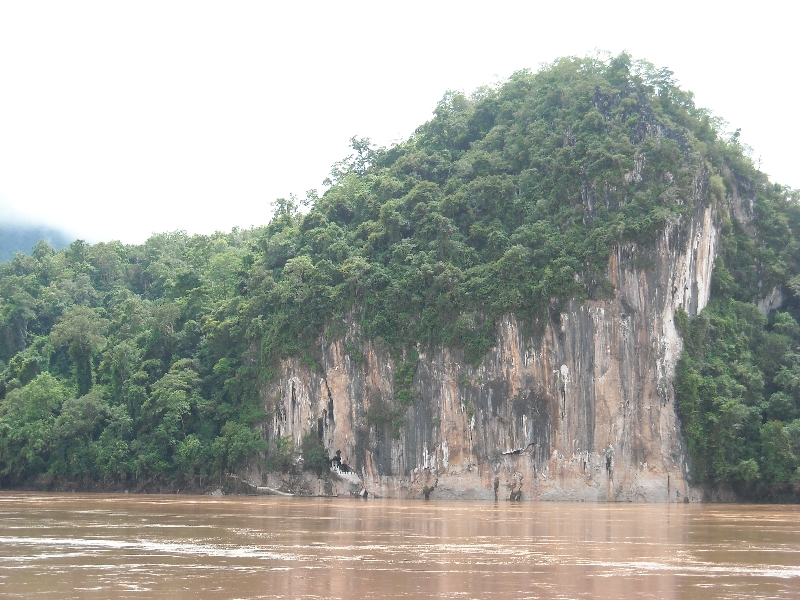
{"points": [[89, 546]]}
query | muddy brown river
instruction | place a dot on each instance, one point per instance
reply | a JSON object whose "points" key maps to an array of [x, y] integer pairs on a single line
{"points": [[124, 546]]}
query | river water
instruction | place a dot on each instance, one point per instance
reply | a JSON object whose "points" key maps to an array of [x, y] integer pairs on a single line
{"points": [[125, 546]]}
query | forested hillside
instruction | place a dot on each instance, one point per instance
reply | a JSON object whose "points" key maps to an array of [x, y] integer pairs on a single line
{"points": [[139, 366]]}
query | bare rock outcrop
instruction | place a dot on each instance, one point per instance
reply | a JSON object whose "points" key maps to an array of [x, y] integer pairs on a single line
{"points": [[583, 410]]}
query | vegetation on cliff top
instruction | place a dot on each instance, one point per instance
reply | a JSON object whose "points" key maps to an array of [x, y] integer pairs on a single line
{"points": [[142, 364]]}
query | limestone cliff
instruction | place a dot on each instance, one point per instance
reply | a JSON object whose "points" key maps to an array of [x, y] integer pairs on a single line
{"points": [[583, 411]]}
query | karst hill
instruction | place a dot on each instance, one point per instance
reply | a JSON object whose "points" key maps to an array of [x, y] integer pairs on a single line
{"points": [[574, 285]]}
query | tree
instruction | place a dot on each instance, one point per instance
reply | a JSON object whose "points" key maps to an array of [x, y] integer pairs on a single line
{"points": [[16, 311], [192, 458], [777, 460], [82, 331], [315, 457], [112, 451], [27, 416], [74, 432], [165, 417], [235, 443]]}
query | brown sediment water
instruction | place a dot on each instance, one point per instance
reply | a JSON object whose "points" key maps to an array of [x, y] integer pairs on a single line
{"points": [[126, 546]]}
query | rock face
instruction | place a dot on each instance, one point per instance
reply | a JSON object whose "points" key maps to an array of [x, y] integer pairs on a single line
{"points": [[584, 410]]}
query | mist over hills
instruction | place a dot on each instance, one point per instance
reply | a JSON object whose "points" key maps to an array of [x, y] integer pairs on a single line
{"points": [[23, 237]]}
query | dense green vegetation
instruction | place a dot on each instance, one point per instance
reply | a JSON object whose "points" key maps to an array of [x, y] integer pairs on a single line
{"points": [[739, 379], [122, 364], [142, 364]]}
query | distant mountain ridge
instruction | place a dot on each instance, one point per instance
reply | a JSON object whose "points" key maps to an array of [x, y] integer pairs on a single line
{"points": [[22, 238]]}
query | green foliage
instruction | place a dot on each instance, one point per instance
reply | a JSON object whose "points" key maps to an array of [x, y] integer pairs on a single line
{"points": [[235, 444], [404, 379], [27, 418], [738, 382], [281, 457], [501, 203], [315, 457], [133, 359], [75, 433], [81, 330], [383, 414], [470, 409]]}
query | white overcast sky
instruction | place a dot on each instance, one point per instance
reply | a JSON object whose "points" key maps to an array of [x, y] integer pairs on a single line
{"points": [[119, 119]]}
